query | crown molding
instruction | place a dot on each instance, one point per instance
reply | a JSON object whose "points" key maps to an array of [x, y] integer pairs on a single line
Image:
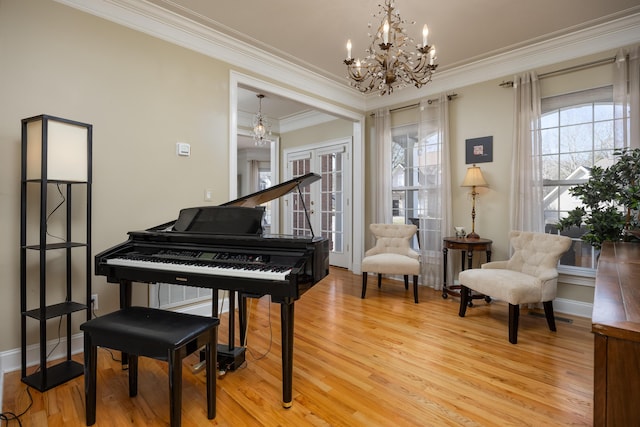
{"points": [[166, 25], [596, 39], [169, 26]]}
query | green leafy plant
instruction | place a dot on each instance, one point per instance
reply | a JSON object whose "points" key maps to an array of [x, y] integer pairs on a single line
{"points": [[610, 201]]}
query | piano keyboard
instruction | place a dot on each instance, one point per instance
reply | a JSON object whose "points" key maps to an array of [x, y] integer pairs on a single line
{"points": [[250, 271]]}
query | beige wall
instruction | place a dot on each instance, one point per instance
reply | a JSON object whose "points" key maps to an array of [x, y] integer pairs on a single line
{"points": [[142, 95], [328, 131]]}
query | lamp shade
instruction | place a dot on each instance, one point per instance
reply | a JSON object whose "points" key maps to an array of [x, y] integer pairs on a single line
{"points": [[56, 149], [474, 178]]}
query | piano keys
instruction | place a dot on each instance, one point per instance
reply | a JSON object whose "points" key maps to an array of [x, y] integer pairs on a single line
{"points": [[223, 248]]}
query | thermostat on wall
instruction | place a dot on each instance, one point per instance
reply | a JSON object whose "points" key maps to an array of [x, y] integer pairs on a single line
{"points": [[183, 149]]}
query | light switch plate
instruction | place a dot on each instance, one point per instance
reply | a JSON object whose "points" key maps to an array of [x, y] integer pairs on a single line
{"points": [[183, 149]]}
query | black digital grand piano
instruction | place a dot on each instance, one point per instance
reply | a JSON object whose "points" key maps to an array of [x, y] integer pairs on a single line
{"points": [[223, 248]]}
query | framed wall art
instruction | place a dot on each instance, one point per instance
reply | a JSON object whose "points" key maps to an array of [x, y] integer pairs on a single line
{"points": [[479, 150]]}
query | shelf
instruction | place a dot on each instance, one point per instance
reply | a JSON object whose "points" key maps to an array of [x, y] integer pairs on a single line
{"points": [[63, 245], [55, 181], [47, 142], [55, 310], [56, 375]]}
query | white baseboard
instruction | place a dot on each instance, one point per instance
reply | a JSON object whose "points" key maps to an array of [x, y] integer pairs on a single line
{"points": [[575, 308]]}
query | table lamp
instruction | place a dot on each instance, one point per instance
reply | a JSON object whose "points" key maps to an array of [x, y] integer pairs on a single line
{"points": [[473, 179]]}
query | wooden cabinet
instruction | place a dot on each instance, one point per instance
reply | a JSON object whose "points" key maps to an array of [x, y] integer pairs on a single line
{"points": [[616, 328], [55, 238]]}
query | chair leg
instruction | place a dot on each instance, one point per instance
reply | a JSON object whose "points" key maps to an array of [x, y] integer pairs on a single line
{"points": [[415, 289], [514, 314], [133, 375], [406, 281], [464, 300], [175, 388], [379, 280], [548, 312], [90, 375], [364, 284]]}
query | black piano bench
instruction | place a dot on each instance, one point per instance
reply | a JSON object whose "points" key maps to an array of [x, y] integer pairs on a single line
{"points": [[158, 334]]}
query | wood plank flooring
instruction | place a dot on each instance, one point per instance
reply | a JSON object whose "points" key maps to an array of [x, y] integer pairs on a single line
{"points": [[380, 361]]}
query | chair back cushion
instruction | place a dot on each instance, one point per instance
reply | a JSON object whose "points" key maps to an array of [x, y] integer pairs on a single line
{"points": [[536, 252], [393, 238]]}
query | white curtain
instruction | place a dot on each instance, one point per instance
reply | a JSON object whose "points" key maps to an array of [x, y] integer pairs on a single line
{"points": [[626, 97], [433, 156], [526, 163], [382, 175], [254, 176]]}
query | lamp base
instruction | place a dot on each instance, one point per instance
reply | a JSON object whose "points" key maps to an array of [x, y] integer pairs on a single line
{"points": [[473, 235]]}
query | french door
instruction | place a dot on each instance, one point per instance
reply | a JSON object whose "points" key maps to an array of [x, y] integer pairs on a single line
{"points": [[323, 207]]}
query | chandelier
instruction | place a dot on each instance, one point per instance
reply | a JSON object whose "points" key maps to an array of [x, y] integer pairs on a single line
{"points": [[261, 126], [388, 63]]}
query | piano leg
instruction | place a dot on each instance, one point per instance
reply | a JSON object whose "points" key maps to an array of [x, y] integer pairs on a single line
{"points": [[125, 301], [232, 320], [286, 329], [242, 318]]}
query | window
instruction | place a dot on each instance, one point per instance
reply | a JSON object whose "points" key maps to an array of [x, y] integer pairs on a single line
{"points": [[414, 171], [577, 132]]}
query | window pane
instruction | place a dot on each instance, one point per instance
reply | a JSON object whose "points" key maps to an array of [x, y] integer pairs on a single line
{"points": [[550, 142], [550, 168], [549, 119], [603, 135], [576, 138], [571, 163], [576, 115], [603, 112]]}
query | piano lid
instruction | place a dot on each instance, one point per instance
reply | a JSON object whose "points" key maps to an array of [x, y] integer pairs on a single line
{"points": [[242, 216], [272, 193]]}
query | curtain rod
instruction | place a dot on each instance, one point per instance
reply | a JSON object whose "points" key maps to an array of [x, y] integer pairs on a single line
{"points": [[567, 70], [429, 101]]}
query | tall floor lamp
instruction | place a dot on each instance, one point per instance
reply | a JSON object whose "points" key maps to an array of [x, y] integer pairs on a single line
{"points": [[474, 179]]}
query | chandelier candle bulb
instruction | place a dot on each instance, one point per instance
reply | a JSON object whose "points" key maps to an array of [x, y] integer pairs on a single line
{"points": [[349, 49], [425, 33], [385, 32]]}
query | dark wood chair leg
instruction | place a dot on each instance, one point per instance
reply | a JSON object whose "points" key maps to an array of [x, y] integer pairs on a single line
{"points": [[364, 284], [133, 375], [415, 289], [548, 312], [90, 376], [379, 280], [464, 300], [514, 314], [406, 281]]}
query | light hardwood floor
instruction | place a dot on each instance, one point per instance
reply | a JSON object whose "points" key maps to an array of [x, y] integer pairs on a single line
{"points": [[380, 361]]}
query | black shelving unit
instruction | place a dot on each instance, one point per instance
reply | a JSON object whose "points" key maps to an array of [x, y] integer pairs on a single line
{"points": [[55, 152]]}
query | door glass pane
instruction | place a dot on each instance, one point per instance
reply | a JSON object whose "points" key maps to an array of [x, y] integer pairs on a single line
{"points": [[331, 198], [300, 226]]}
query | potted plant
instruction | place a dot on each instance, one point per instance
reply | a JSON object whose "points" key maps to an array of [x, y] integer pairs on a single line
{"points": [[610, 201]]}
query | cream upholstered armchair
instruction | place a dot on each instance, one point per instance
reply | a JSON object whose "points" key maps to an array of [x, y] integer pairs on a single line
{"points": [[529, 276], [392, 254]]}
